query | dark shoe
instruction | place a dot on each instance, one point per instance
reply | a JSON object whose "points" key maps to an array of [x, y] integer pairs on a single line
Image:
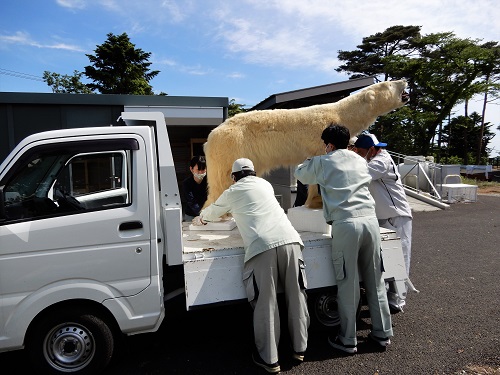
{"points": [[383, 342], [272, 368], [394, 308], [337, 344], [299, 356]]}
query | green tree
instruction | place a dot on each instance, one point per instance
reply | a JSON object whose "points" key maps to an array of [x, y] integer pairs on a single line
{"points": [[120, 68], [441, 69], [66, 84], [491, 85], [462, 135], [235, 108], [370, 57], [449, 71]]}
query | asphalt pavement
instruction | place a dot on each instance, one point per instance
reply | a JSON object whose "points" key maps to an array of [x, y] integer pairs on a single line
{"points": [[450, 327]]}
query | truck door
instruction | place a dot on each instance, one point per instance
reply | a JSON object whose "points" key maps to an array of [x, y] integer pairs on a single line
{"points": [[72, 213]]}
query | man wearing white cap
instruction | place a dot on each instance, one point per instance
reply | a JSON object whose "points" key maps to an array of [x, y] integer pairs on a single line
{"points": [[273, 256], [391, 205]]}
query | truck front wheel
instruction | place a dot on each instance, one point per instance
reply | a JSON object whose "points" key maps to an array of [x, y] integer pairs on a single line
{"points": [[70, 342]]}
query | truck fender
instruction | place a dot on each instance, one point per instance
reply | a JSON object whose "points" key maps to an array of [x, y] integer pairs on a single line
{"points": [[19, 319]]}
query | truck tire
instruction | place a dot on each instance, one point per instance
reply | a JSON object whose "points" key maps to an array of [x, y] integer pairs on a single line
{"points": [[323, 310], [70, 342]]}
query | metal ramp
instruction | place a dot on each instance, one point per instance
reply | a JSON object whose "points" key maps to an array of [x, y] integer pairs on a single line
{"points": [[422, 178]]}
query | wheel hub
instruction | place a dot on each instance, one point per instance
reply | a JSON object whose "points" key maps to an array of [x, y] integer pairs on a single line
{"points": [[326, 310], [69, 346]]}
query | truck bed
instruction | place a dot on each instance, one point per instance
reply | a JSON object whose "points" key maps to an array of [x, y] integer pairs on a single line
{"points": [[213, 263]]}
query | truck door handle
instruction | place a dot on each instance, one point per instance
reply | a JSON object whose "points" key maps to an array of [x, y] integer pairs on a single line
{"points": [[130, 225]]}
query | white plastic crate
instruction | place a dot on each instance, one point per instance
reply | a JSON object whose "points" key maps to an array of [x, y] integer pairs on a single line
{"points": [[308, 220], [453, 193]]}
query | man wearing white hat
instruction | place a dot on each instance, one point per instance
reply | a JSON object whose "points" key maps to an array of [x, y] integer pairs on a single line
{"points": [[273, 256], [391, 205]]}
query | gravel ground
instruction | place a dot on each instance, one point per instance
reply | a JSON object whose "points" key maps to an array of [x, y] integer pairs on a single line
{"points": [[450, 327]]}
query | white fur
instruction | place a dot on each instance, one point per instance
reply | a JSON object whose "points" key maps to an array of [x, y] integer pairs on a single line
{"points": [[285, 137]]}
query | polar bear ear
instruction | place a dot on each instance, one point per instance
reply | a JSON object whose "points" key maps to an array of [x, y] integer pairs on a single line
{"points": [[369, 96]]}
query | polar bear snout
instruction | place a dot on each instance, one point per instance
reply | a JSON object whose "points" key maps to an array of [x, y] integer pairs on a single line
{"points": [[405, 97], [402, 85]]}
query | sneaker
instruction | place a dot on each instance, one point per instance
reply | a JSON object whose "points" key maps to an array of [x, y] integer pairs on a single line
{"points": [[272, 368], [384, 342], [337, 344], [299, 356], [394, 309]]}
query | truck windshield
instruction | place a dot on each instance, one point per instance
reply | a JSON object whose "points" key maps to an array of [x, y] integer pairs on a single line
{"points": [[34, 179]]}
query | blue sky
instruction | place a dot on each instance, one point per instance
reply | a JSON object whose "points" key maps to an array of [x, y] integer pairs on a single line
{"points": [[246, 50]]}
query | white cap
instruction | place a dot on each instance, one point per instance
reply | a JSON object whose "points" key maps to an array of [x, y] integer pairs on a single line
{"points": [[242, 164], [352, 140]]}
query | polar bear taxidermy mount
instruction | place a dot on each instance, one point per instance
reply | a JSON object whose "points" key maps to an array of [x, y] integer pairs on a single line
{"points": [[277, 138]]}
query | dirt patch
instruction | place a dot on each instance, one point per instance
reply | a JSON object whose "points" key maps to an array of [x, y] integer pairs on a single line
{"points": [[480, 370], [489, 190]]}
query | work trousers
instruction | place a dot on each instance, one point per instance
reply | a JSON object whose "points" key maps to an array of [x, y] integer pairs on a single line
{"points": [[356, 251], [403, 227], [262, 274]]}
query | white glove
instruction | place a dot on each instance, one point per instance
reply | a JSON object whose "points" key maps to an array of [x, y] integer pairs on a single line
{"points": [[197, 221]]}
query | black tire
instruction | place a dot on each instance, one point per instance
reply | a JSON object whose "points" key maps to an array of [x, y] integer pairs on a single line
{"points": [[70, 342], [323, 310]]}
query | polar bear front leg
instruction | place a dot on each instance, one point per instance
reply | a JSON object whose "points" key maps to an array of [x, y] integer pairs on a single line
{"points": [[313, 200]]}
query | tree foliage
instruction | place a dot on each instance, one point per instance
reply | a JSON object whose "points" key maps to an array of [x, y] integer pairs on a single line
{"points": [[370, 57], [462, 134], [235, 108], [66, 84], [442, 71], [120, 68]]}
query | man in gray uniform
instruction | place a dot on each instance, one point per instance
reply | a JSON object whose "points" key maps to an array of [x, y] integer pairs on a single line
{"points": [[343, 178], [391, 205], [273, 256]]}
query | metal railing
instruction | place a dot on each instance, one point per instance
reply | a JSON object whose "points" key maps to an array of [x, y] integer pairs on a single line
{"points": [[420, 175]]}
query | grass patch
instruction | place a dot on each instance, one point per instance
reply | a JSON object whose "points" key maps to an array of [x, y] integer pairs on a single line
{"points": [[479, 183]]}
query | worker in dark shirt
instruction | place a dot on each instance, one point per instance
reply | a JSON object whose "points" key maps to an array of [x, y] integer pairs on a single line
{"points": [[195, 188]]}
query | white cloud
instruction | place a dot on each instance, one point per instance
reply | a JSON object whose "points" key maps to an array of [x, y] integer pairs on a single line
{"points": [[236, 75], [23, 38], [72, 4], [295, 33], [175, 10], [167, 62]]}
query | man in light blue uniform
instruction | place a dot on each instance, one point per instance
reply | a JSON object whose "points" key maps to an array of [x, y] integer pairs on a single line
{"points": [[273, 256], [343, 179]]}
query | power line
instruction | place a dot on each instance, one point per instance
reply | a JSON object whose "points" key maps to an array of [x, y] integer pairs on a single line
{"points": [[13, 73]]}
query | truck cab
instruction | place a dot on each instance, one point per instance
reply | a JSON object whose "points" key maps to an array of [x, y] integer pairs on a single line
{"points": [[80, 257]]}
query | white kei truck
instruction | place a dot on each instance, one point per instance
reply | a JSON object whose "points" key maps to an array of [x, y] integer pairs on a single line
{"points": [[91, 233]]}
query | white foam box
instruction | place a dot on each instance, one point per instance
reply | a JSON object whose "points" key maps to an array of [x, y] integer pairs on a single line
{"points": [[458, 192], [228, 224], [306, 219]]}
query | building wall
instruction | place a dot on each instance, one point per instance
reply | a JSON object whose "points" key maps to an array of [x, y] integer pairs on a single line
{"points": [[17, 121]]}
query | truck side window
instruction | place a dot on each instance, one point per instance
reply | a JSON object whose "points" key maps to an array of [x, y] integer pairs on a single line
{"points": [[93, 181], [56, 181]]}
